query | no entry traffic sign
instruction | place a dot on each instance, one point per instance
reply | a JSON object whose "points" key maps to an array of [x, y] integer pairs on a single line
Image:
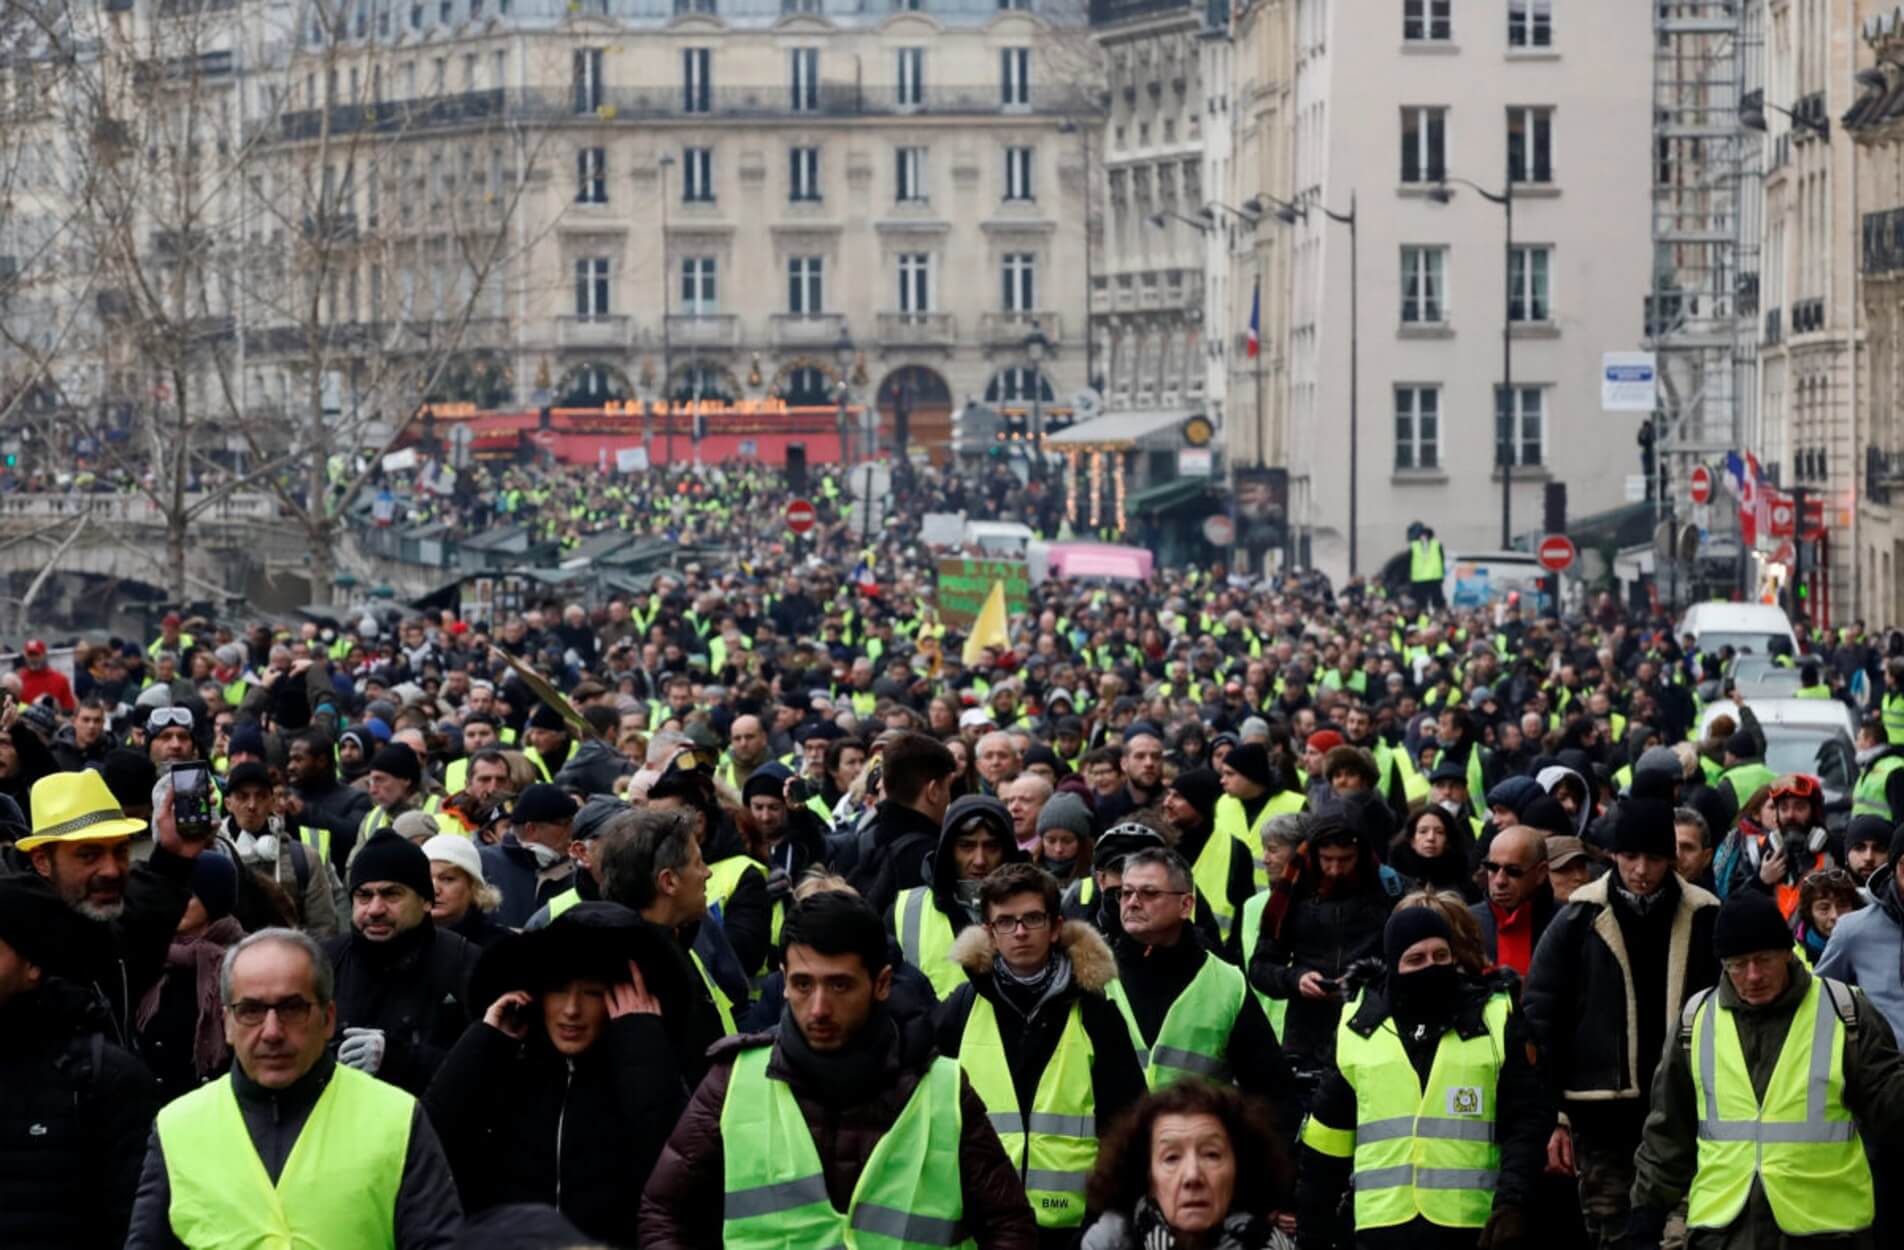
{"points": [[1701, 484], [1556, 553], [800, 516]]}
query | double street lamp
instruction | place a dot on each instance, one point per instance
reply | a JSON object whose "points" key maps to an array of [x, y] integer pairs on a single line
{"points": [[1505, 407]]}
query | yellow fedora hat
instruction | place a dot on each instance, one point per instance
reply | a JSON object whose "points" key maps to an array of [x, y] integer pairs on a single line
{"points": [[76, 807]]}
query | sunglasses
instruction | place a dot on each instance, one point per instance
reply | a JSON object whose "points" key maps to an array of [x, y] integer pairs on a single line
{"points": [[1830, 876], [1513, 872]]}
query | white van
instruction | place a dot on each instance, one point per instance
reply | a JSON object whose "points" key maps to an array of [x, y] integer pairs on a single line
{"points": [[1748, 628], [999, 539]]}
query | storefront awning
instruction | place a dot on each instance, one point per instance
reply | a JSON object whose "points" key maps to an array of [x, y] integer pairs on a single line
{"points": [[1167, 495], [1116, 431]]}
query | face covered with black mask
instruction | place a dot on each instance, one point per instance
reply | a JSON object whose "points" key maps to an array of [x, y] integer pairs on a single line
{"points": [[1426, 993]]}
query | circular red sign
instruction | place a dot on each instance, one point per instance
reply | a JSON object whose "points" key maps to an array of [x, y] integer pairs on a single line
{"points": [[1701, 483], [1556, 553], [800, 516]]}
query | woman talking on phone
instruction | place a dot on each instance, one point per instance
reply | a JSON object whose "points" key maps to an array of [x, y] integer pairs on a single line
{"points": [[567, 1090]]}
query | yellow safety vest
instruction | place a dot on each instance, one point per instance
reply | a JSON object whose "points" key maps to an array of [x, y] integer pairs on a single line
{"points": [[318, 840], [1893, 709], [1801, 1144], [338, 1188], [1425, 562], [1052, 1143], [1230, 819], [1194, 1039], [925, 939], [1274, 1008], [1431, 1152], [907, 1197], [535, 757], [1869, 798], [723, 1005], [456, 776], [1211, 877]]}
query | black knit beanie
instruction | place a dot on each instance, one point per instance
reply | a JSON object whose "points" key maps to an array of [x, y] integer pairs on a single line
{"points": [[1749, 922], [1252, 760], [1200, 788], [1409, 925], [388, 857], [398, 761], [1645, 827]]}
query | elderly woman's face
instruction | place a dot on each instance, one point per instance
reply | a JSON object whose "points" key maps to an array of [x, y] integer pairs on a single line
{"points": [[1192, 1171]]}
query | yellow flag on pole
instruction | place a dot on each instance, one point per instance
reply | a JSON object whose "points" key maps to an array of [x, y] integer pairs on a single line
{"points": [[989, 629]]}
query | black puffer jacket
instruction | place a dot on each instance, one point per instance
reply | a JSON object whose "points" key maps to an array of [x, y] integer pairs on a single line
{"points": [[521, 1123], [1318, 930], [413, 987], [74, 1112]]}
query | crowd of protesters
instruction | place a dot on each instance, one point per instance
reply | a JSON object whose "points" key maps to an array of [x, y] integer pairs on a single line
{"points": [[761, 910]]}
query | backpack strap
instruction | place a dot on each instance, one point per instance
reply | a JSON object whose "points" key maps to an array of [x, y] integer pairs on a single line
{"points": [[1844, 1000], [1687, 1015]]}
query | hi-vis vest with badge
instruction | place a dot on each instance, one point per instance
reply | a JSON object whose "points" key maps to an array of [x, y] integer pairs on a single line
{"points": [[1194, 1039], [1431, 1152], [1052, 1143], [925, 938], [337, 1188], [908, 1196], [1801, 1143]]}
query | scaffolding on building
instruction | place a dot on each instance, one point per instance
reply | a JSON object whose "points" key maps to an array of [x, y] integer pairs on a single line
{"points": [[1702, 315]]}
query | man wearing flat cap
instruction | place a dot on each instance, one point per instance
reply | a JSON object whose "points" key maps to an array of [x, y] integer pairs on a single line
{"points": [[401, 980], [1605, 990]]}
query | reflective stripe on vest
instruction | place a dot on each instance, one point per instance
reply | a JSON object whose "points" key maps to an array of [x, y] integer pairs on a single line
{"points": [[1276, 1009], [318, 840], [925, 938], [908, 1194], [723, 1005], [1869, 798], [1054, 1144], [337, 1188], [1801, 1145], [1194, 1039], [1438, 1160], [1893, 708]]}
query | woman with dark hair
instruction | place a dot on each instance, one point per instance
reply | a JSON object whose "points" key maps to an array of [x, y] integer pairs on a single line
{"points": [[1436, 849], [1194, 1166]]}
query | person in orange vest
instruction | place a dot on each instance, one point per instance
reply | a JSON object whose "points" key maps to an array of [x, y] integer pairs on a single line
{"points": [[1778, 860]]}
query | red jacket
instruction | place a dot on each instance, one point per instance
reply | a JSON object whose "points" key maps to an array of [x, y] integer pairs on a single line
{"points": [[681, 1207], [45, 681]]}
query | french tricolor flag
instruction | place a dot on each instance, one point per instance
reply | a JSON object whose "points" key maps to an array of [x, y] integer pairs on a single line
{"points": [[1742, 476], [1256, 320]]}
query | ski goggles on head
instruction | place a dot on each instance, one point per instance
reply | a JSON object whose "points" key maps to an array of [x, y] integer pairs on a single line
{"points": [[169, 717]]}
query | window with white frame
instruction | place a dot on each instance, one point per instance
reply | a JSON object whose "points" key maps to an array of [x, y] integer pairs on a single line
{"points": [[1424, 285], [591, 286], [915, 282], [803, 74], [1018, 159], [1418, 427], [1520, 423], [1427, 21], [1424, 144], [803, 174], [697, 175], [591, 176], [1530, 144], [1019, 270], [909, 183], [699, 297], [806, 288], [912, 77], [587, 79], [697, 80], [1014, 77], [1530, 23], [1529, 290]]}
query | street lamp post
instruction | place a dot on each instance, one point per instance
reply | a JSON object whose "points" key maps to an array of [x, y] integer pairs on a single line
{"points": [[1290, 214], [843, 357], [1504, 452], [667, 306], [1036, 345]]}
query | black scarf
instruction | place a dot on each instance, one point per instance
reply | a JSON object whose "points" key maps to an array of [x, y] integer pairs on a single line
{"points": [[1241, 1231], [843, 1077]]}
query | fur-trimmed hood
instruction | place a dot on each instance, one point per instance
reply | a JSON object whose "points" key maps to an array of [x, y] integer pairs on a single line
{"points": [[1092, 965]]}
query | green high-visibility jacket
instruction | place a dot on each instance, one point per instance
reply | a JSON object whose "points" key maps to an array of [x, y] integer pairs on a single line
{"points": [[1194, 1039], [1053, 1142], [925, 938]]}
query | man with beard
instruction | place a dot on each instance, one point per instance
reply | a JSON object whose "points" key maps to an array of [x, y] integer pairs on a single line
{"points": [[1143, 775], [319, 801], [400, 979], [1602, 997], [1778, 861], [81, 851]]}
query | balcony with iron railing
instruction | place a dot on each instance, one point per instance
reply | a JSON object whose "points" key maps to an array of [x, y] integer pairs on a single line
{"points": [[704, 330], [1883, 241], [627, 104], [807, 330], [1011, 329], [916, 329], [606, 330]]}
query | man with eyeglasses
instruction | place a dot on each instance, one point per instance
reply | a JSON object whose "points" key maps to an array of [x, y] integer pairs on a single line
{"points": [[291, 1147], [1761, 1107], [1038, 1040], [1604, 992], [1519, 904], [1189, 1013]]}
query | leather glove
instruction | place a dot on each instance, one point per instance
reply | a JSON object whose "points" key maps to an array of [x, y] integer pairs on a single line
{"points": [[1506, 1229], [362, 1049], [779, 885]]}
